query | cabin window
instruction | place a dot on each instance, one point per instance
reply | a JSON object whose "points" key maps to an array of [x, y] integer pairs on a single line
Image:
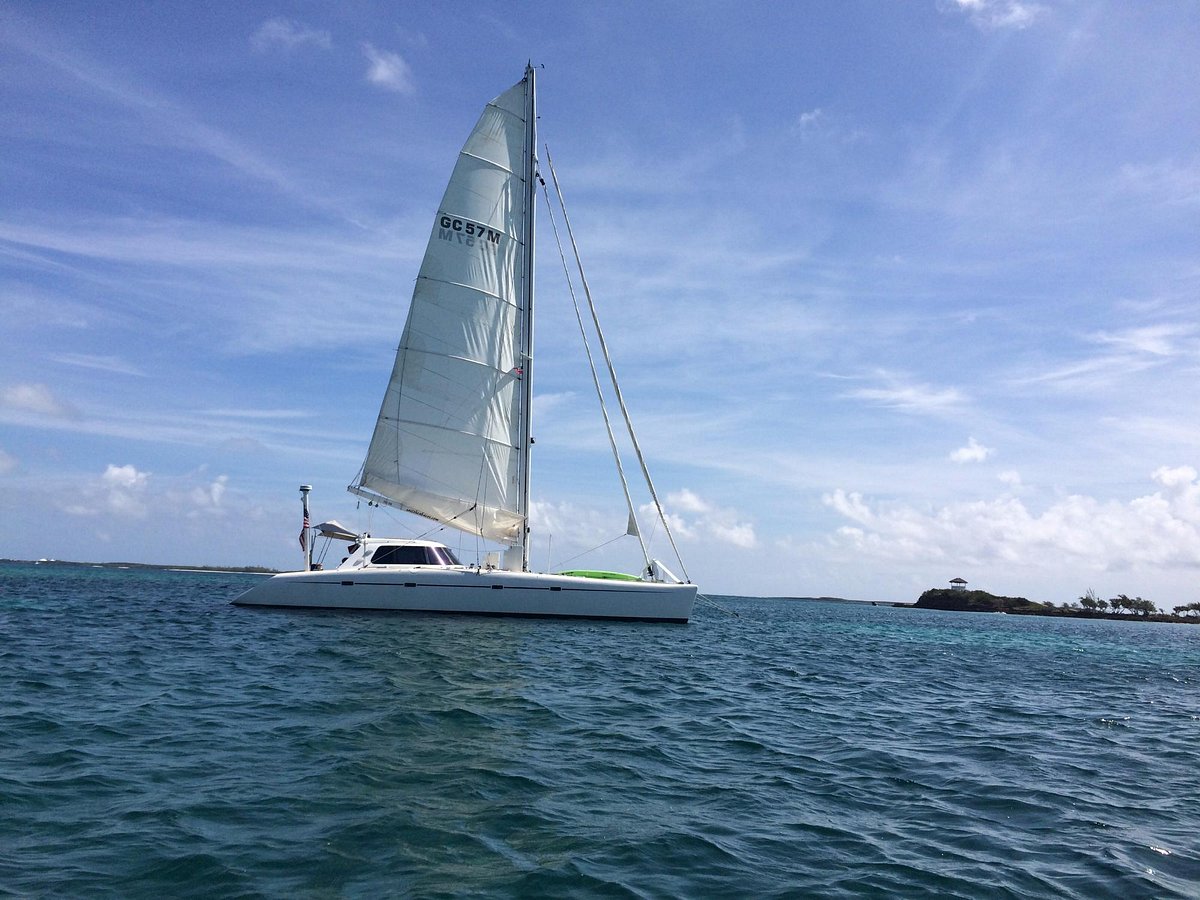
{"points": [[399, 556], [444, 556], [403, 555]]}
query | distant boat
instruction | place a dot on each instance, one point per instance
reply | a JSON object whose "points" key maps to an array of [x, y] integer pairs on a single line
{"points": [[452, 442]]}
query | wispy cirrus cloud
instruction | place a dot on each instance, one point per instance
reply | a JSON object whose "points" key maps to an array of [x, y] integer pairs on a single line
{"points": [[903, 395], [818, 123], [1167, 181], [288, 34], [997, 14], [35, 398], [246, 278], [99, 363], [1125, 351], [1152, 340], [388, 70], [172, 121]]}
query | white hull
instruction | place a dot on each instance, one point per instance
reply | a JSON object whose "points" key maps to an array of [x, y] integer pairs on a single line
{"points": [[479, 591]]}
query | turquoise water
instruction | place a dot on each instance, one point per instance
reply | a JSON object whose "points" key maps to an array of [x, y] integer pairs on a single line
{"points": [[156, 741]]}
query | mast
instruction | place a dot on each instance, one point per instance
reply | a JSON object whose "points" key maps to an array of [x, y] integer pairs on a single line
{"points": [[525, 346], [305, 531]]}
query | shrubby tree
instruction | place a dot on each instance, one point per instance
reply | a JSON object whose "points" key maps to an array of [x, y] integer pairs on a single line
{"points": [[1135, 605], [1145, 607]]}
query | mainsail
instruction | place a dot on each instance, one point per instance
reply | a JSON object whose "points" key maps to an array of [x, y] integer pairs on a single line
{"points": [[451, 442]]}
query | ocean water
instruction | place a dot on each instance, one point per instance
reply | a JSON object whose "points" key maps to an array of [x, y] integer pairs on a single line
{"points": [[157, 741]]}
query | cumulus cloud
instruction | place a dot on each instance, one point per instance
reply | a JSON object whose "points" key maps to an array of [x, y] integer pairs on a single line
{"points": [[973, 452], [1011, 477], [288, 34], [35, 398], [1160, 529], [690, 516], [124, 490], [206, 499], [1175, 479], [388, 70]]}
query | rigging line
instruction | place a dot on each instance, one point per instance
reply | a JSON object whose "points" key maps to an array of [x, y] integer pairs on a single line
{"points": [[714, 603], [595, 377], [611, 371], [586, 552], [386, 509], [438, 526]]}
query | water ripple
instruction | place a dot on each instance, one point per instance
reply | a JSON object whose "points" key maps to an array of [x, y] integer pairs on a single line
{"points": [[157, 741]]}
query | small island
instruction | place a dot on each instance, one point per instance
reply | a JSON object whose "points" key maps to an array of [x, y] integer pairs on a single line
{"points": [[957, 598]]}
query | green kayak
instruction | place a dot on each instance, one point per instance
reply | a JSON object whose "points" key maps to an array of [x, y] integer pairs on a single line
{"points": [[594, 573]]}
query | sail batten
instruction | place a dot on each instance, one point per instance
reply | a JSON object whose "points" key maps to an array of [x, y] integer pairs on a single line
{"points": [[471, 287], [449, 435], [498, 442], [491, 162]]}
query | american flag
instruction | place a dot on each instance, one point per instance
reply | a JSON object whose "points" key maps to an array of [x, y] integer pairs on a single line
{"points": [[304, 532]]}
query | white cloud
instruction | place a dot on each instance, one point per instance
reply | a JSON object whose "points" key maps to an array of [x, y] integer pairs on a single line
{"points": [[816, 123], [35, 398], [124, 489], [127, 493], [1152, 340], [175, 124], [1124, 352], [288, 34], [1178, 479], [972, 452], [1167, 182], [124, 477], [907, 396], [688, 502], [1161, 529], [692, 517], [206, 499], [996, 14], [8, 463], [388, 70], [99, 363], [1011, 477]]}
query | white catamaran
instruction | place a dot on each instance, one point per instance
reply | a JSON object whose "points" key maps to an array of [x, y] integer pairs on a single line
{"points": [[452, 442]]}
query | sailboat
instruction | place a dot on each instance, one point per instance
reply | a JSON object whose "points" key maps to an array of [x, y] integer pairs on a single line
{"points": [[452, 442]]}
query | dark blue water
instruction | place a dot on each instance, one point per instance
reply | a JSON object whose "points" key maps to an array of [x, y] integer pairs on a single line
{"points": [[156, 741]]}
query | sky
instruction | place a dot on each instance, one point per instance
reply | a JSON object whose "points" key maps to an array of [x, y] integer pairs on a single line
{"points": [[897, 292]]}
